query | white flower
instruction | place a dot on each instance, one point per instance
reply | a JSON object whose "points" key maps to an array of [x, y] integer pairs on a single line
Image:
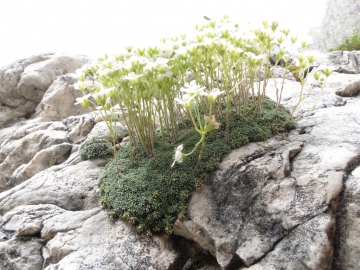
{"points": [[149, 66], [193, 89], [189, 76], [166, 52], [212, 96], [160, 61], [256, 60], [132, 77], [178, 155], [79, 86], [80, 74], [161, 76], [181, 52], [185, 101], [83, 100], [105, 72]]}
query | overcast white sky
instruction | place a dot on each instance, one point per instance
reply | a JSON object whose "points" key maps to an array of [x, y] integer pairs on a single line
{"points": [[95, 27]]}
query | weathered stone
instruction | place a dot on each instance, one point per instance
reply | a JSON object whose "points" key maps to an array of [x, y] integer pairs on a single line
{"points": [[20, 254], [28, 219], [95, 235], [342, 18], [261, 194], [101, 131], [24, 150], [252, 202], [345, 85], [340, 61], [42, 160], [79, 126], [58, 101], [23, 83], [308, 246], [105, 245], [347, 246], [59, 185], [270, 205]]}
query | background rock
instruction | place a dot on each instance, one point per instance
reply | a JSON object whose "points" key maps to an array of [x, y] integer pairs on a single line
{"points": [[23, 83], [341, 61], [341, 18]]}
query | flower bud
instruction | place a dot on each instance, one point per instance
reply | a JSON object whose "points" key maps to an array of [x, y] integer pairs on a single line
{"points": [[316, 75], [286, 32], [84, 102], [274, 25], [327, 72]]}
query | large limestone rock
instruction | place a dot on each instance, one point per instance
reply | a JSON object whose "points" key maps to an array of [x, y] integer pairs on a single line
{"points": [[59, 100], [347, 238], [291, 202], [61, 209], [272, 205], [34, 147], [23, 83]]}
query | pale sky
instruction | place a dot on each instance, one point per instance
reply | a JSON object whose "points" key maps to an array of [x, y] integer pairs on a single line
{"points": [[95, 27]]}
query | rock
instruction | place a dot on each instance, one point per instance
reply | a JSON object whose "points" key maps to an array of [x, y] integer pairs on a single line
{"points": [[42, 160], [28, 220], [347, 246], [345, 85], [22, 151], [59, 101], [79, 126], [290, 202], [101, 131], [252, 202], [23, 83], [58, 185], [341, 61], [95, 235], [19, 254], [265, 193], [34, 147], [341, 19], [100, 243], [306, 247]]}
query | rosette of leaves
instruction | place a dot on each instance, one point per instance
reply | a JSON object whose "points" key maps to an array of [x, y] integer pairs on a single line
{"points": [[95, 148]]}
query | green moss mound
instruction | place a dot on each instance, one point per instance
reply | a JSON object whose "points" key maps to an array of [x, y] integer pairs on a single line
{"points": [[152, 194], [95, 148]]}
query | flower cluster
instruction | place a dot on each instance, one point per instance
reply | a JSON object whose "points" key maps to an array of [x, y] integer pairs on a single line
{"points": [[152, 89]]}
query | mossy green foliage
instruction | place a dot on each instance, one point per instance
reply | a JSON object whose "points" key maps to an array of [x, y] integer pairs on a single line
{"points": [[350, 44], [95, 148], [152, 195]]}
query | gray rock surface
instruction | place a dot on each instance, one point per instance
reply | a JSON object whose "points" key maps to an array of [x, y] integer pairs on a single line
{"points": [[101, 131], [341, 19], [34, 146], [347, 239], [59, 100], [272, 205], [23, 83], [341, 61], [290, 202]]}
